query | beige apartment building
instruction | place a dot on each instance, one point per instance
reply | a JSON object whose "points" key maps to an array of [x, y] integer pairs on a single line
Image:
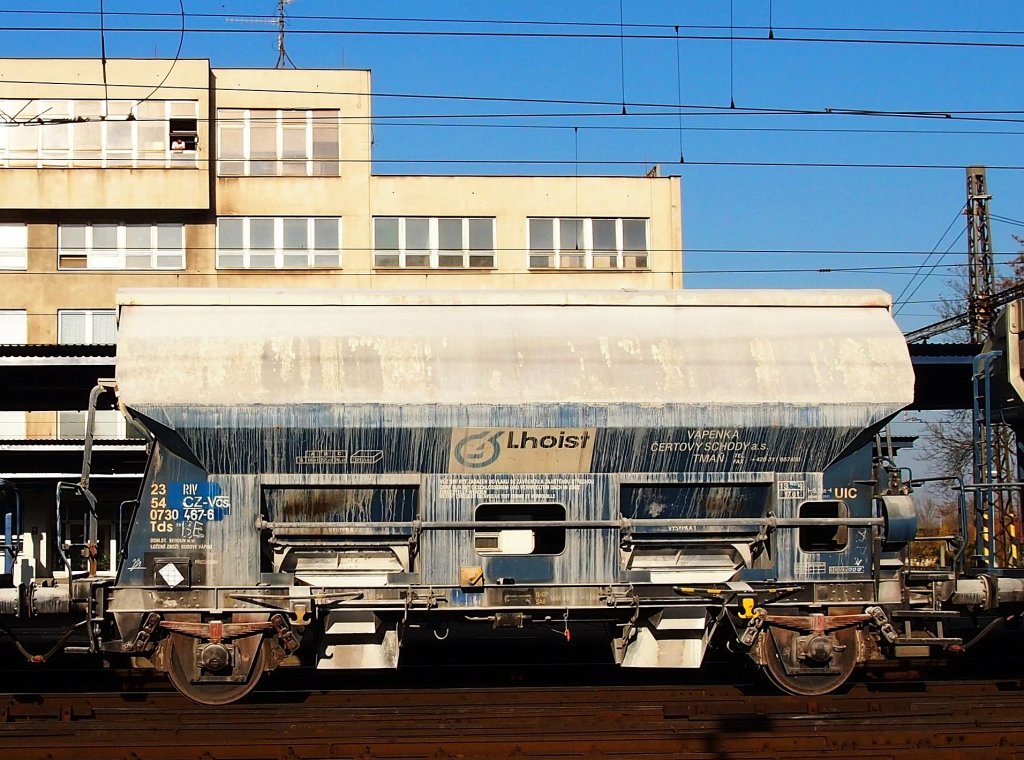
{"points": [[161, 173]]}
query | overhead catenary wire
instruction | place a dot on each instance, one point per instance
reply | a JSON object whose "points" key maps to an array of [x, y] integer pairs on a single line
{"points": [[526, 22], [622, 57], [935, 247], [670, 109], [709, 36], [732, 49], [663, 128], [1006, 220], [599, 162], [932, 268], [677, 113], [177, 53], [679, 95], [117, 215], [894, 270], [568, 162], [396, 120], [103, 53]]}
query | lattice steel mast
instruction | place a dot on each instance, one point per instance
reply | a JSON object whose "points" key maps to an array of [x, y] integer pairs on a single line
{"points": [[981, 285], [994, 463]]}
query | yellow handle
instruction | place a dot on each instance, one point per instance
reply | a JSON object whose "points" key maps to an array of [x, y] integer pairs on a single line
{"points": [[748, 608]]}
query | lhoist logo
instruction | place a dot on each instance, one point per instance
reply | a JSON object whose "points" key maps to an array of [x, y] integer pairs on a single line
{"points": [[479, 449]]}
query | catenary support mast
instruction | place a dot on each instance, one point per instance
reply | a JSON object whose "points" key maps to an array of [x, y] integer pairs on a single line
{"points": [[992, 464]]}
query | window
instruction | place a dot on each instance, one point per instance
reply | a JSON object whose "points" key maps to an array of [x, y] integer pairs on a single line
{"points": [[13, 326], [184, 135], [116, 245], [89, 326], [571, 243], [823, 538], [385, 504], [13, 329], [278, 143], [420, 242], [99, 134], [109, 424], [291, 242], [501, 537], [13, 246], [687, 501]]}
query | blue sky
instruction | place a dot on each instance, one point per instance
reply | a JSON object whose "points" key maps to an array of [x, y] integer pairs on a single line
{"points": [[855, 210]]}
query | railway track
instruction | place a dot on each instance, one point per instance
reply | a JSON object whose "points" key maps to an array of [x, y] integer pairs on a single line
{"points": [[884, 718]]}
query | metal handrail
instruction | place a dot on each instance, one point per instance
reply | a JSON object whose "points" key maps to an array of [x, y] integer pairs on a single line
{"points": [[624, 523]]}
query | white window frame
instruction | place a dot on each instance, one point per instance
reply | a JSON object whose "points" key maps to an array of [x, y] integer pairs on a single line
{"points": [[90, 323], [103, 417], [313, 117], [115, 259], [279, 251], [63, 114], [13, 330], [588, 251], [18, 334], [434, 238], [13, 247]]}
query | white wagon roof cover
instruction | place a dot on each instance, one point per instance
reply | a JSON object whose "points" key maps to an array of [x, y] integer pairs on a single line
{"points": [[226, 347]]}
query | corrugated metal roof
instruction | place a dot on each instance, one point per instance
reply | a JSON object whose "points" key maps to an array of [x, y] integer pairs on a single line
{"points": [[70, 444], [945, 349], [57, 350]]}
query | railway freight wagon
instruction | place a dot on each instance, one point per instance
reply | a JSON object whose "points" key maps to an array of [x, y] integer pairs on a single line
{"points": [[330, 469]]}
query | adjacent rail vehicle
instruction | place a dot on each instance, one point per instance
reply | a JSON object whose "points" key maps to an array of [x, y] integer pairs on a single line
{"points": [[331, 470]]}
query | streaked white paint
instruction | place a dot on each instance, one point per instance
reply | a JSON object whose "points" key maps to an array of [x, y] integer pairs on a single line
{"points": [[227, 347]]}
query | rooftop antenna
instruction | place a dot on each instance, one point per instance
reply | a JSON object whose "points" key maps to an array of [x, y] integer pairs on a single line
{"points": [[283, 59]]}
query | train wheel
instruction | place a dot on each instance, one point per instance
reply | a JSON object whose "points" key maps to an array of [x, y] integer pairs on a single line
{"points": [[831, 660], [183, 667]]}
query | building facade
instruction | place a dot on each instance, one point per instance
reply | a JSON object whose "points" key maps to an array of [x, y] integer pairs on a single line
{"points": [[160, 173], [153, 173]]}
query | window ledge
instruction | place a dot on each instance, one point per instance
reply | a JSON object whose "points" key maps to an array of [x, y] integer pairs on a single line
{"points": [[563, 270], [280, 176], [173, 167], [279, 269], [93, 270], [445, 270]]}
